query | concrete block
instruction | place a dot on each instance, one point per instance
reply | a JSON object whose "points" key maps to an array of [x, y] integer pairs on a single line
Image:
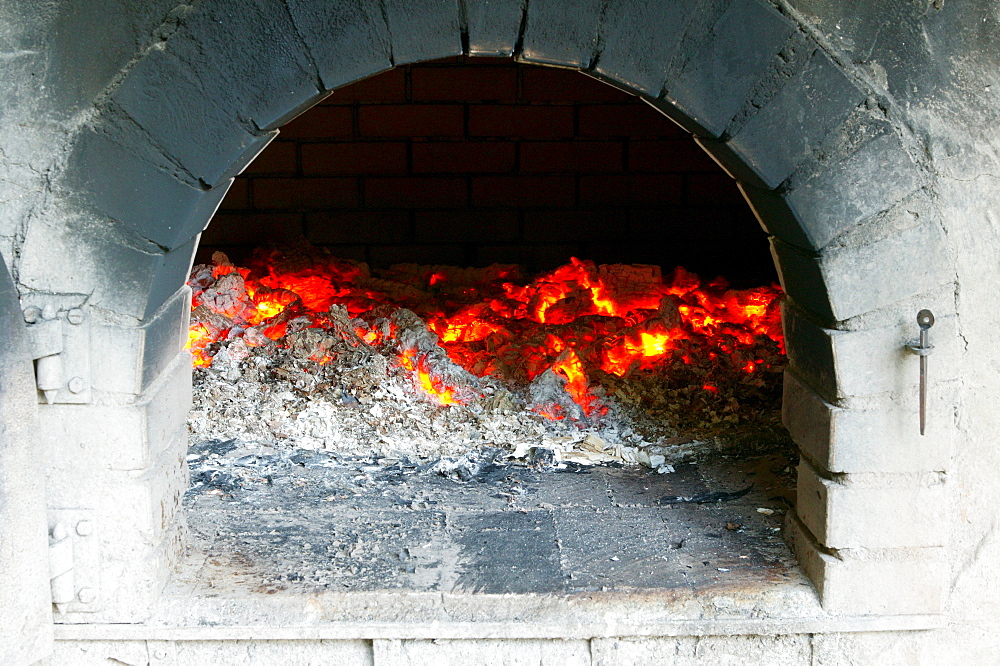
{"points": [[116, 182], [885, 439], [348, 40], [481, 651], [639, 39], [908, 581], [561, 32], [785, 650], [841, 364], [720, 74], [159, 94], [793, 123], [132, 357], [494, 26], [901, 512], [423, 29]]}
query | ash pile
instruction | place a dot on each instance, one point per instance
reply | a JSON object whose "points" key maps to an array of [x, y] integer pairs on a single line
{"points": [[580, 366]]}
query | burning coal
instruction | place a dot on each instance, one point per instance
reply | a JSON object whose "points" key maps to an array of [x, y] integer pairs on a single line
{"points": [[569, 333]]}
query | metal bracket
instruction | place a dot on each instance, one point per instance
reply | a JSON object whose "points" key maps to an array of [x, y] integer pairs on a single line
{"points": [[61, 351], [925, 319], [74, 561]]}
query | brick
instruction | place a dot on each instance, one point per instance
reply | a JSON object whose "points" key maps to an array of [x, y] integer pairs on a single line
{"points": [[717, 189], [550, 84], [238, 196], [304, 193], [388, 86], [440, 192], [531, 122], [533, 191], [493, 26], [561, 32], [278, 158], [464, 84], [681, 154], [719, 76], [907, 581], [424, 120], [640, 120], [640, 39], [571, 156], [577, 226], [466, 226], [794, 122], [634, 189], [252, 228], [423, 29], [347, 41], [358, 227], [341, 159], [321, 122], [839, 439], [910, 513], [383, 256], [463, 157], [153, 204]]}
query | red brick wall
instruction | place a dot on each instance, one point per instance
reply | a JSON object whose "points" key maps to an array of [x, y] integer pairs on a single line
{"points": [[472, 161]]}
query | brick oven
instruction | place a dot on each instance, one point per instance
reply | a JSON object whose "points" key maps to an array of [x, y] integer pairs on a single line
{"points": [[865, 154]]}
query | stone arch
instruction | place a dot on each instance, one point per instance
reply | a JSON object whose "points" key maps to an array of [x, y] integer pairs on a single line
{"points": [[815, 153]]}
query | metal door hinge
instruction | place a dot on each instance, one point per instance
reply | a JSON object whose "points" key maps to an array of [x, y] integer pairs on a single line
{"points": [[60, 341], [73, 560]]}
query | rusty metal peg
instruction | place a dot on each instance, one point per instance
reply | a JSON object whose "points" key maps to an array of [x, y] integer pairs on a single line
{"points": [[925, 319]]}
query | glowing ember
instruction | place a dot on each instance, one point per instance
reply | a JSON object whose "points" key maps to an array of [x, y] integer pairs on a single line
{"points": [[583, 322]]}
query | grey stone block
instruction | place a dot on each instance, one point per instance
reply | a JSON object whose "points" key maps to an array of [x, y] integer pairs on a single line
{"points": [[481, 651], [561, 32], [719, 76], [793, 123], [639, 39], [771, 209], [494, 26], [169, 274], [892, 514], [115, 181], [802, 279], [188, 119], [268, 80], [423, 29], [348, 40], [907, 581], [781, 650], [884, 439]]}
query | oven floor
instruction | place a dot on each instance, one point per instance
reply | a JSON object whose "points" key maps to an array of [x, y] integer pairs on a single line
{"points": [[323, 524]]}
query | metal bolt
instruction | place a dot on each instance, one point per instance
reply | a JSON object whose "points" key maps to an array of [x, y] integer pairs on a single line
{"points": [[85, 528], [31, 314], [75, 316], [76, 385], [86, 595], [49, 311]]}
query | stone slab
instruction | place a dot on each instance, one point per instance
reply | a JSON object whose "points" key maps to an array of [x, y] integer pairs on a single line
{"points": [[423, 29], [494, 26], [561, 32]]}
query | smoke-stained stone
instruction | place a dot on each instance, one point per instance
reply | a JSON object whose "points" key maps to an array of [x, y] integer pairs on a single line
{"points": [[185, 119], [251, 50], [423, 29], [801, 278], [494, 26], [810, 351], [561, 32], [348, 40], [775, 215], [169, 273], [783, 133], [720, 75], [154, 204], [639, 38]]}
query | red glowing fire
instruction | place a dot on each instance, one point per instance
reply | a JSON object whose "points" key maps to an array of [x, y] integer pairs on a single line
{"points": [[581, 321]]}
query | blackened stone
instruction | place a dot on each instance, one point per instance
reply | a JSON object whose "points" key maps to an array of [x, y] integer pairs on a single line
{"points": [[250, 52], [639, 39], [783, 133], [718, 78], [168, 274], [810, 351], [775, 215], [508, 552], [802, 279], [163, 96], [423, 29], [561, 32], [494, 26], [348, 40], [119, 184]]}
